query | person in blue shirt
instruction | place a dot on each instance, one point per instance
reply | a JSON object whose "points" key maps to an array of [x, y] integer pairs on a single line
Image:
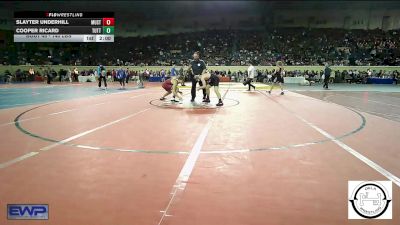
{"points": [[121, 75], [162, 73], [99, 68], [173, 71]]}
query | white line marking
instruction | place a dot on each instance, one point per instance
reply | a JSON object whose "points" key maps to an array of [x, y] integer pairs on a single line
{"points": [[88, 147], [193, 156], [359, 98], [33, 118], [51, 114], [63, 100], [56, 113], [384, 114], [372, 113], [382, 103], [187, 168], [18, 159], [92, 130], [358, 155], [73, 109], [347, 148], [26, 156], [101, 103]]}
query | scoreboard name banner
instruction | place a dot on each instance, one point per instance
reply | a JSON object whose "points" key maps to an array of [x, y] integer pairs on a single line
{"points": [[38, 26]]}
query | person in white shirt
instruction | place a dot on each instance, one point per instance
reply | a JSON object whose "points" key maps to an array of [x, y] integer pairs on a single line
{"points": [[251, 73], [69, 75], [369, 73], [75, 74]]}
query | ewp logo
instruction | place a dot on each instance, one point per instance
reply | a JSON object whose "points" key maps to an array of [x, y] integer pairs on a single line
{"points": [[28, 212], [370, 200]]}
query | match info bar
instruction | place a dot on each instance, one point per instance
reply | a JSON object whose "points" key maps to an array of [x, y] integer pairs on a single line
{"points": [[36, 26]]}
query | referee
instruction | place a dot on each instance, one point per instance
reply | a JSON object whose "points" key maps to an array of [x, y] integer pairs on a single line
{"points": [[197, 68]]}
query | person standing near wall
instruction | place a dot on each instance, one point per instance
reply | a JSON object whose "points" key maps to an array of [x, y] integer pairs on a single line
{"points": [[121, 76], [327, 75], [101, 71], [251, 72]]}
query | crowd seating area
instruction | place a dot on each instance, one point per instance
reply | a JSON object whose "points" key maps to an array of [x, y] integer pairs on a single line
{"points": [[263, 75], [295, 46]]}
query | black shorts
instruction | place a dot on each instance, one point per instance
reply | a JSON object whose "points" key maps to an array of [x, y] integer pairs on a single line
{"points": [[277, 79], [214, 80]]}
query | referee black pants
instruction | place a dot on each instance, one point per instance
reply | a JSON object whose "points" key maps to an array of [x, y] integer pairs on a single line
{"points": [[122, 81], [248, 82], [105, 81], [326, 82], [193, 91], [49, 79]]}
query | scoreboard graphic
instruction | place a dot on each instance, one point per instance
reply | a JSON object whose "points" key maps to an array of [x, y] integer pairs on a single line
{"points": [[37, 26]]}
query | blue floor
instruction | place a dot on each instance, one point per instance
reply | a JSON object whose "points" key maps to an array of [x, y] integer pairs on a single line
{"points": [[14, 97]]}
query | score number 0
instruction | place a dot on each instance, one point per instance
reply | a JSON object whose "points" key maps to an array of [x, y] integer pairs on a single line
{"points": [[108, 21], [108, 25]]}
